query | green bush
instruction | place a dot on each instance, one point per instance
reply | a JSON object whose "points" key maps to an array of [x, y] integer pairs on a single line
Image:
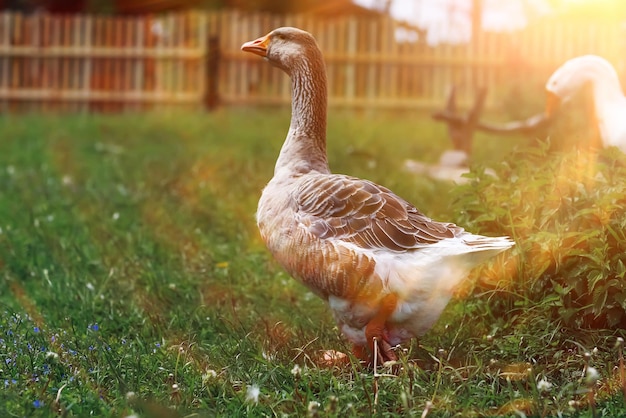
{"points": [[566, 212]]}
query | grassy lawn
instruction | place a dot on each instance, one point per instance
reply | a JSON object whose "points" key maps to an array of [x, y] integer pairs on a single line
{"points": [[133, 281]]}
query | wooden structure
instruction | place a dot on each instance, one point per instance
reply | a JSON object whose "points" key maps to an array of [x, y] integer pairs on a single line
{"points": [[461, 127], [104, 63], [98, 63]]}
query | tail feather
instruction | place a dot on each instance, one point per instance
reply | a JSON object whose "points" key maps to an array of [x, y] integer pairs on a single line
{"points": [[482, 242]]}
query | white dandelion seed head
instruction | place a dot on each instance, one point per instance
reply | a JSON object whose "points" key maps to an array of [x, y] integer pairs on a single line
{"points": [[592, 375], [296, 371], [252, 393], [544, 386], [313, 407], [208, 375]]}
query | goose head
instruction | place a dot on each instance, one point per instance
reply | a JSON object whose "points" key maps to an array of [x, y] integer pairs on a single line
{"points": [[574, 75], [286, 48]]}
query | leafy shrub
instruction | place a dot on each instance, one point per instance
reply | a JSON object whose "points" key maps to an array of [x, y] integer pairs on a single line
{"points": [[566, 212]]}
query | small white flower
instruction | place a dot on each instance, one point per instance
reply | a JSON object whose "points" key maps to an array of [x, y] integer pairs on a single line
{"points": [[208, 375], [51, 355], [313, 407], [296, 371], [252, 393], [67, 180], [591, 376], [116, 216], [90, 287], [130, 395], [544, 386], [10, 170]]}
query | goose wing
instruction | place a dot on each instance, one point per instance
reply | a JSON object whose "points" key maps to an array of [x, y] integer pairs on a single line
{"points": [[365, 214]]}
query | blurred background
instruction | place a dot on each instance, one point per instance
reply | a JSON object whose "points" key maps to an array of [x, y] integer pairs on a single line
{"points": [[128, 55]]}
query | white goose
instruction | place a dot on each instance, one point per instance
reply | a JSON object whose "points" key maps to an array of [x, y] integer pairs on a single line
{"points": [[386, 270], [608, 99]]}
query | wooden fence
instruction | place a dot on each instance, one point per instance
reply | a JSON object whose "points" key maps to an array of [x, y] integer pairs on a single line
{"points": [[100, 63], [369, 67]]}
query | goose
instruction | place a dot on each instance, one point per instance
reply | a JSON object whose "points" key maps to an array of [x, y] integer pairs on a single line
{"points": [[385, 269], [608, 100]]}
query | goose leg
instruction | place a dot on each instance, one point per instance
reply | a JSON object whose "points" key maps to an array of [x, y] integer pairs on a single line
{"points": [[360, 352], [376, 328]]}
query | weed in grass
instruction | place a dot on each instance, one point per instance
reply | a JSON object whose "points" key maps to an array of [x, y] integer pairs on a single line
{"points": [[566, 211]]}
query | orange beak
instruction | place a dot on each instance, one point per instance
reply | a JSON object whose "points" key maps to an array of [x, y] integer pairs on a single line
{"points": [[258, 46], [553, 102]]}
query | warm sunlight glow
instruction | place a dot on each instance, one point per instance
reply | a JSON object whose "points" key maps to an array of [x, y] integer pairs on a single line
{"points": [[611, 9]]}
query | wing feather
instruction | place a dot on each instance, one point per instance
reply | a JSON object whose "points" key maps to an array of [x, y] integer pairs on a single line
{"points": [[361, 212]]}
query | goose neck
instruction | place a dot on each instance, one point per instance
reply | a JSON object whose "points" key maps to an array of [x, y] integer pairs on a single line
{"points": [[305, 147]]}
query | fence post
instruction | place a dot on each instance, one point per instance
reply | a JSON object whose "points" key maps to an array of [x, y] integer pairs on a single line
{"points": [[211, 98]]}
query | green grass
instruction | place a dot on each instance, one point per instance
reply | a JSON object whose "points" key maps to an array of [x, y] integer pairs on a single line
{"points": [[133, 281]]}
